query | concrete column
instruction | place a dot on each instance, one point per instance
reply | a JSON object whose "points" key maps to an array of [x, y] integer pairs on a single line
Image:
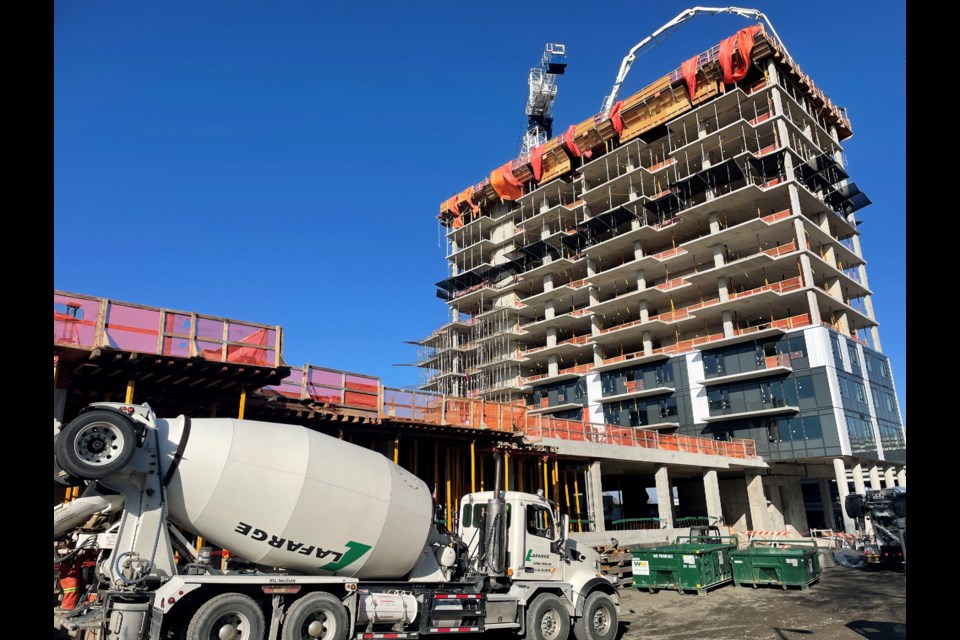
{"points": [[771, 486], [867, 301], [813, 306], [723, 287], [548, 310], [551, 336], [647, 344], [858, 484], [830, 256], [553, 365], [548, 282], [888, 478], [860, 487], [827, 503], [594, 293], [834, 289], [711, 489], [644, 312], [638, 250], [794, 512], [902, 477], [875, 478], [664, 495], [714, 222], [771, 71], [595, 497], [841, 473], [806, 270], [641, 280], [759, 519], [728, 324], [718, 258]]}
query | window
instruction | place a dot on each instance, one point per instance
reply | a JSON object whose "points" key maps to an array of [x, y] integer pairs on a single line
{"points": [[854, 355], [805, 387], [876, 399], [835, 343], [811, 428], [539, 522], [668, 407], [713, 364]]}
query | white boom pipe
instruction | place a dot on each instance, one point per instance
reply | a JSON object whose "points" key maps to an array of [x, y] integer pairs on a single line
{"points": [[681, 17]]}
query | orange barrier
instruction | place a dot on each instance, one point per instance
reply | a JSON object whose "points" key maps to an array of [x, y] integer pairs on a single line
{"points": [[539, 427], [87, 322]]}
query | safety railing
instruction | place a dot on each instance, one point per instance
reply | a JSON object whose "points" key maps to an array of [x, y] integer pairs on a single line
{"points": [[539, 427], [329, 386], [86, 322], [634, 524]]}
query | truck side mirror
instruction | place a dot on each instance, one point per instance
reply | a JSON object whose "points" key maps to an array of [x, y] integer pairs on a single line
{"points": [[558, 545]]}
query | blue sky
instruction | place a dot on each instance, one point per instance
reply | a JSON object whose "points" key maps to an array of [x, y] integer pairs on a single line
{"points": [[283, 162]]}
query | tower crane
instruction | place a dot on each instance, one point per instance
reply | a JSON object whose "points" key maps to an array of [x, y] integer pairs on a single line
{"points": [[682, 17], [541, 92]]}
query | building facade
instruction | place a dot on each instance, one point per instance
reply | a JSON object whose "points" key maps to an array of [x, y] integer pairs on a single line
{"points": [[689, 263]]}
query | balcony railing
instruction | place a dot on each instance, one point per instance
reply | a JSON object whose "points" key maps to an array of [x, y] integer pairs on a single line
{"points": [[539, 427]]}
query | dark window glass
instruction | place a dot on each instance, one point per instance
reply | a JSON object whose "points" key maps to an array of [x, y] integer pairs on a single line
{"points": [[539, 522]]}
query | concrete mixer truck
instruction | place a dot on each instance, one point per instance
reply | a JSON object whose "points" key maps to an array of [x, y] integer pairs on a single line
{"points": [[338, 541]]}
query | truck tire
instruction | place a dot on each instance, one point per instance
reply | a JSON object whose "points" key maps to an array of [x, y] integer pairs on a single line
{"points": [[547, 618], [853, 505], [229, 616], [599, 619], [95, 445], [900, 505], [316, 615], [62, 478]]}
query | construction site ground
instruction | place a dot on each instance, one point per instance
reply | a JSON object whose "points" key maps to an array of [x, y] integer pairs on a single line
{"points": [[846, 604]]}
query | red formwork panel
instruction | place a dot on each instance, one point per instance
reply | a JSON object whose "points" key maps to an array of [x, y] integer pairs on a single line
{"points": [[75, 320]]}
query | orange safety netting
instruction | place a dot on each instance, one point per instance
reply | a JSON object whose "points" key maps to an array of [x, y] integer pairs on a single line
{"points": [[536, 162], [571, 144], [245, 355], [505, 184], [742, 41], [451, 205], [615, 118], [689, 71], [467, 196]]}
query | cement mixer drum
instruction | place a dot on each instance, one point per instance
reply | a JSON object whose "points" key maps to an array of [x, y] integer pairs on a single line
{"points": [[285, 496]]}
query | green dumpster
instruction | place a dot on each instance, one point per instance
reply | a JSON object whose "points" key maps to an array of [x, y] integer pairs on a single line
{"points": [[794, 565], [686, 565]]}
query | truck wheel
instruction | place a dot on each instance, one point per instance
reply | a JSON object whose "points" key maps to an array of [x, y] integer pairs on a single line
{"points": [[316, 615], [900, 505], [599, 619], [95, 445], [547, 618], [229, 616], [853, 505]]}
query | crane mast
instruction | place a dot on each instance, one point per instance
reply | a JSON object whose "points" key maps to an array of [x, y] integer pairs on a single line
{"points": [[541, 92]]}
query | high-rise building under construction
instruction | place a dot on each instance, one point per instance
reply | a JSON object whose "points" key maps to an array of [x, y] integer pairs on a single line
{"points": [[687, 261]]}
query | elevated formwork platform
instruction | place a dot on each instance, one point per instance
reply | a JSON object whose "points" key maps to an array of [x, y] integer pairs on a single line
{"points": [[181, 362]]}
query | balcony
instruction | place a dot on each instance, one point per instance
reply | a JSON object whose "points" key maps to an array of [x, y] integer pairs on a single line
{"points": [[772, 365], [562, 374]]}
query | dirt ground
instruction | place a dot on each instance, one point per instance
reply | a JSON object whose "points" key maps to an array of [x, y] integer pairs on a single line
{"points": [[846, 604]]}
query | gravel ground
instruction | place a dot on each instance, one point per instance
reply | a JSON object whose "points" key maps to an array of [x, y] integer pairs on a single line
{"points": [[846, 604]]}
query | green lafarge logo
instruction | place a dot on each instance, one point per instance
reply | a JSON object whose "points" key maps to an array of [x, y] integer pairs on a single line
{"points": [[531, 555], [355, 551]]}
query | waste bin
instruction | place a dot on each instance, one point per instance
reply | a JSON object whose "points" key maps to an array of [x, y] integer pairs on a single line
{"points": [[790, 564], [685, 565]]}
